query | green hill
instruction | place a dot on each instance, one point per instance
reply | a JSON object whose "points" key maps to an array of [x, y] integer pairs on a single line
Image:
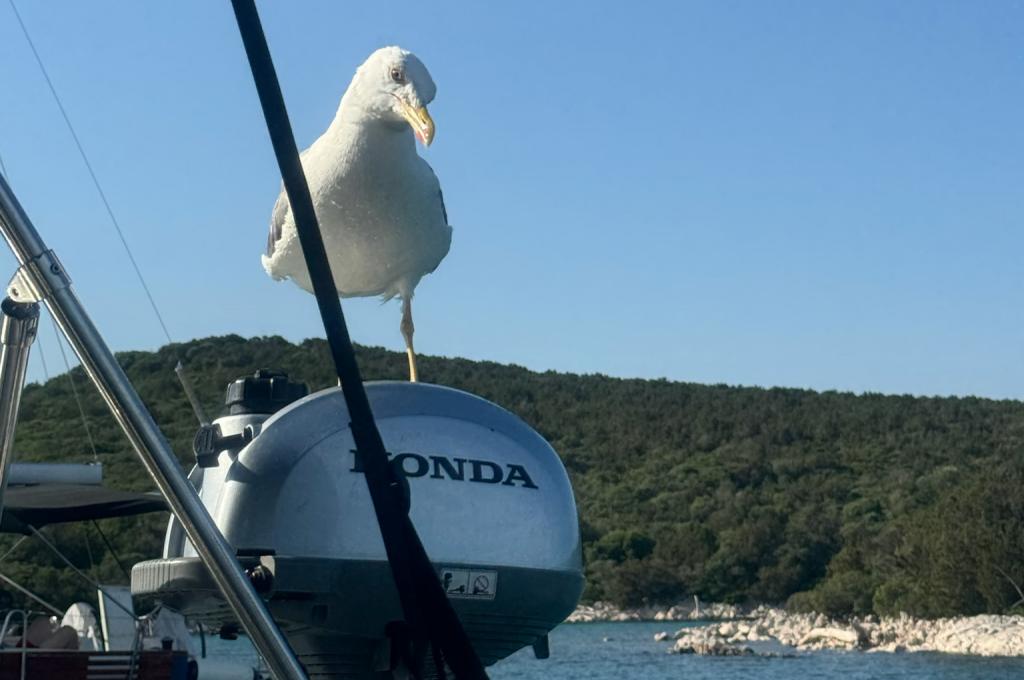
{"points": [[829, 501]]}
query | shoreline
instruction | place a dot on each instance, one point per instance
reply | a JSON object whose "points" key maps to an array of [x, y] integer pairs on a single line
{"points": [[729, 630], [687, 611]]}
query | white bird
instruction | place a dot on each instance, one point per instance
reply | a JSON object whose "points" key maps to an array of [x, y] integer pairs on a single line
{"points": [[379, 204]]}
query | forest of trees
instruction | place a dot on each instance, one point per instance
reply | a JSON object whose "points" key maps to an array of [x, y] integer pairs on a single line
{"points": [[828, 501]]}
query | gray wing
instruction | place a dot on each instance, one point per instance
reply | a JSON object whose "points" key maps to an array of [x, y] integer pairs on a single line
{"points": [[437, 183], [280, 213], [444, 211], [277, 221]]}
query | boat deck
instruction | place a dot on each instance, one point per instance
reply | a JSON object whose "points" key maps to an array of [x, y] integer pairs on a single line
{"points": [[83, 665]]}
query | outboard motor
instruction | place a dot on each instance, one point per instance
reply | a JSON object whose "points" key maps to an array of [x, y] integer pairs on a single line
{"points": [[490, 500]]}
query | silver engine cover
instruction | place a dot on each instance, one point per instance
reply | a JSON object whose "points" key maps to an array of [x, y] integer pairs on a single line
{"points": [[490, 500]]}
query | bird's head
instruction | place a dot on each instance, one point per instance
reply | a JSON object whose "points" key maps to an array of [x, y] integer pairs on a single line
{"points": [[394, 86]]}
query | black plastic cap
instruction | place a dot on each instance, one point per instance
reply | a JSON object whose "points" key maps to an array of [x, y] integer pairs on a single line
{"points": [[265, 392], [19, 310]]}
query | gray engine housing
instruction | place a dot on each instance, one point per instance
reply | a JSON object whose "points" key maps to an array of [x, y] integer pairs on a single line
{"points": [[490, 500]]}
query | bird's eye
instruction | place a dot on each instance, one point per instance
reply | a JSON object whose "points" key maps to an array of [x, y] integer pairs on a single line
{"points": [[397, 75]]}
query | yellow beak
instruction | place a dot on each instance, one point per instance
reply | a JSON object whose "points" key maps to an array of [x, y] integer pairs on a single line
{"points": [[420, 122]]}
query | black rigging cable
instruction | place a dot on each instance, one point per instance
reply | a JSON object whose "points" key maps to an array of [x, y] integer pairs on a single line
{"points": [[88, 552], [92, 173], [42, 359], [74, 390], [110, 548], [180, 371], [427, 609]]}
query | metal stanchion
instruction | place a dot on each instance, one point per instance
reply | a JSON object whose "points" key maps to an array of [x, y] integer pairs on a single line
{"points": [[16, 335], [42, 278]]}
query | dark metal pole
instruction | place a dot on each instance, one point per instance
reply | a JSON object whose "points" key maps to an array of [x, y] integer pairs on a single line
{"points": [[16, 336], [28, 593], [46, 275], [424, 603]]}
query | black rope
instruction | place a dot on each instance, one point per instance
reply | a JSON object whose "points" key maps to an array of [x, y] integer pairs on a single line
{"points": [[110, 548], [424, 603]]}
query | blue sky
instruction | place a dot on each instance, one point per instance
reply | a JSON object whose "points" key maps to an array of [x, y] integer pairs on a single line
{"points": [[824, 195]]}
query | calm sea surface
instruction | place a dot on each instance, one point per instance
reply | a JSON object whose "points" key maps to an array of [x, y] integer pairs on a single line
{"points": [[622, 651]]}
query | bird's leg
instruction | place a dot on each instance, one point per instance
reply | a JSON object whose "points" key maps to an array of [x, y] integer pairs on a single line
{"points": [[407, 331]]}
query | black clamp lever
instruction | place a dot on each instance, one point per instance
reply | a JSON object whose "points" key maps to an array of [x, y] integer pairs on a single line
{"points": [[209, 442]]}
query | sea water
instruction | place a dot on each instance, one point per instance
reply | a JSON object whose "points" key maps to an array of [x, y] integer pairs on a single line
{"points": [[616, 651], [626, 651]]}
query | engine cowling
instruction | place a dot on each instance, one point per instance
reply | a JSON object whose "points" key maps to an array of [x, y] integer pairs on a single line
{"points": [[490, 500]]}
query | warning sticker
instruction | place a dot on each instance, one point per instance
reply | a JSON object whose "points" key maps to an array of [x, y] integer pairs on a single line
{"points": [[455, 581], [472, 584]]}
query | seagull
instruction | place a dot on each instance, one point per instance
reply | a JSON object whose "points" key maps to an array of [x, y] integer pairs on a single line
{"points": [[379, 204]]}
